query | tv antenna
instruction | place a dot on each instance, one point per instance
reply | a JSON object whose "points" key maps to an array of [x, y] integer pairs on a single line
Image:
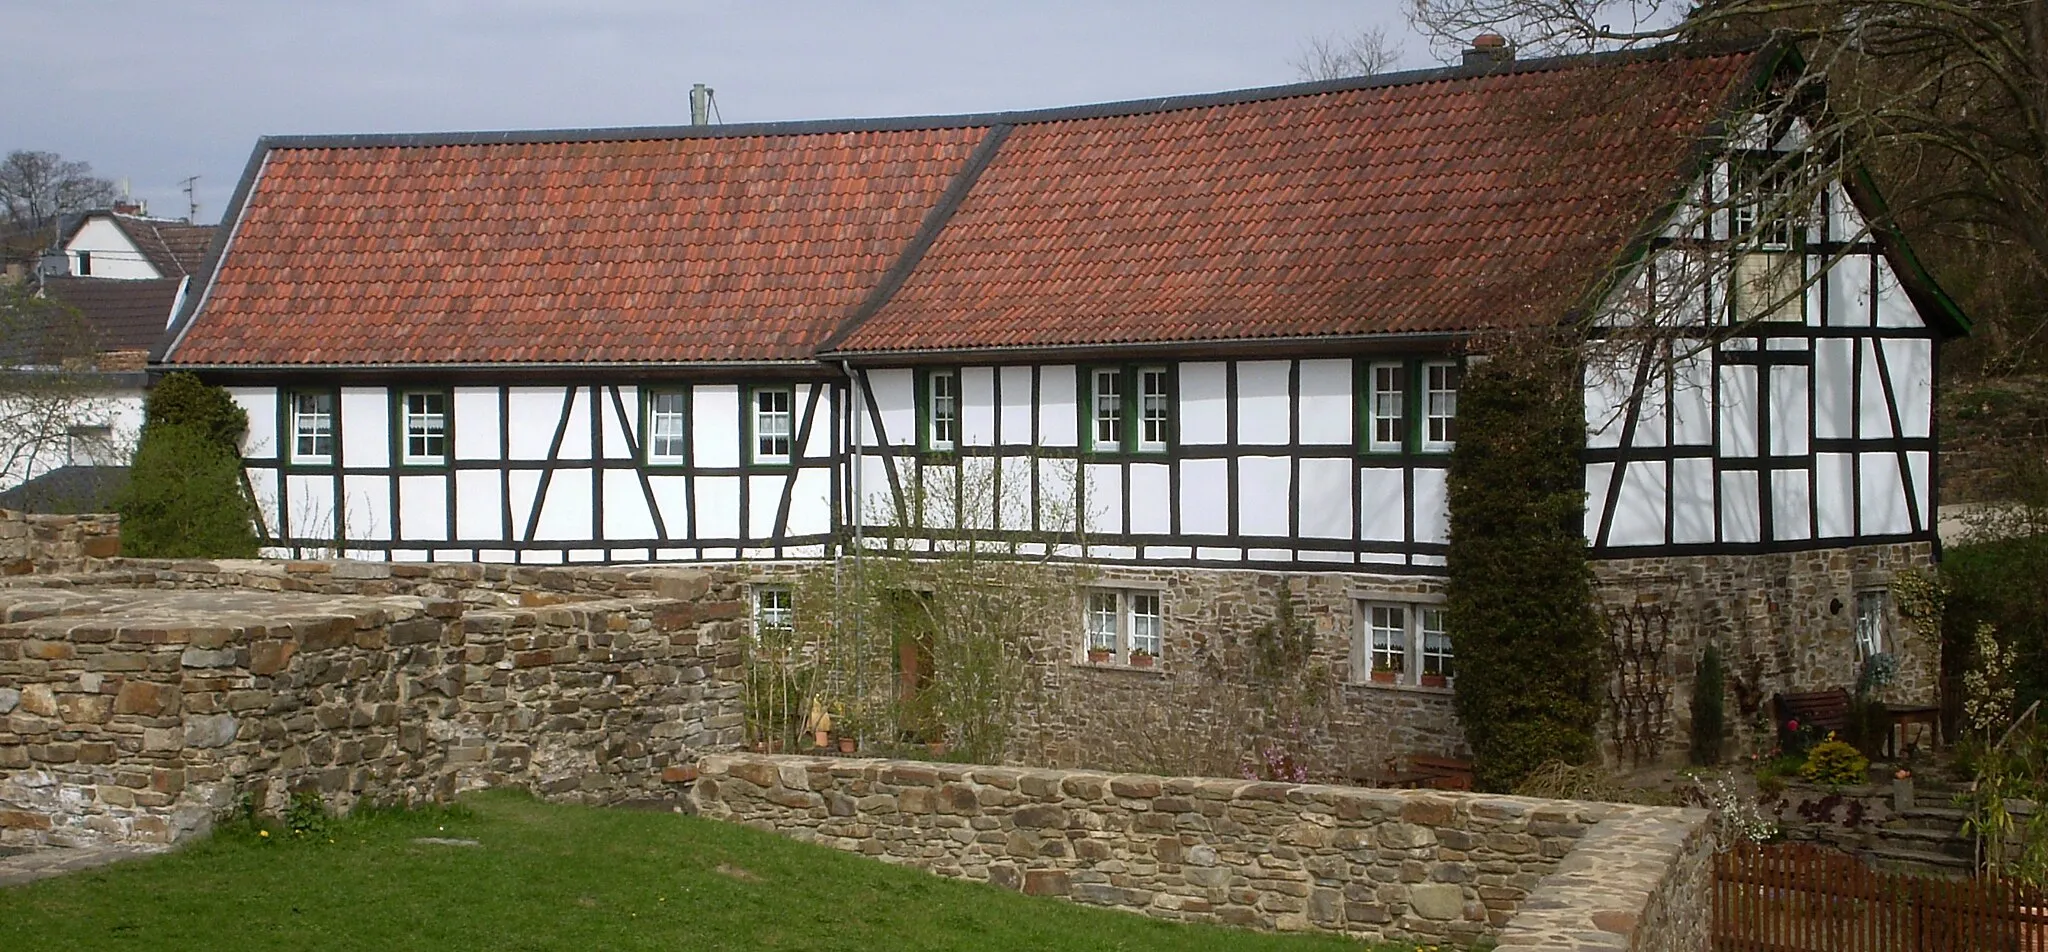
{"points": [[191, 199]]}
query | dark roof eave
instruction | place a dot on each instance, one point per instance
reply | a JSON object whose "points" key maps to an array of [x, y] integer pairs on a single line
{"points": [[1218, 347]]}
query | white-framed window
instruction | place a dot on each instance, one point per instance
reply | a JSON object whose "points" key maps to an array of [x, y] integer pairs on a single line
{"points": [[667, 416], [1387, 630], [313, 426], [1103, 626], [774, 614], [425, 415], [1108, 396], [1387, 407], [1435, 643], [942, 409], [1405, 643], [1124, 626], [1766, 224], [1153, 409], [1873, 629], [1763, 212], [772, 424], [1440, 405]]}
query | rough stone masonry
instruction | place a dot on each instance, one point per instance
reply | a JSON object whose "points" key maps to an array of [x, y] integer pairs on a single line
{"points": [[134, 716], [1379, 864]]}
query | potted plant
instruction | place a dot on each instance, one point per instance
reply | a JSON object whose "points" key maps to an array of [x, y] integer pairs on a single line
{"points": [[1098, 655], [1141, 658], [1385, 675], [1437, 680], [848, 744]]}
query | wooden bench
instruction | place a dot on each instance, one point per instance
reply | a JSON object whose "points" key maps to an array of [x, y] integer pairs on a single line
{"points": [[1416, 771], [1823, 711]]}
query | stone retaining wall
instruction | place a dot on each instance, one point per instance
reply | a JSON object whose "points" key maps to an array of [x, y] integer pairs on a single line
{"points": [[31, 542], [1378, 864], [134, 716]]}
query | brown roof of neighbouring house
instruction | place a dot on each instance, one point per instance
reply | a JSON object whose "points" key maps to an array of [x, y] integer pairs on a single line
{"points": [[175, 248], [123, 314], [1443, 201]]}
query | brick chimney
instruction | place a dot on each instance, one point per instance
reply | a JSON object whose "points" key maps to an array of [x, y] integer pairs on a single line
{"points": [[1489, 49]]}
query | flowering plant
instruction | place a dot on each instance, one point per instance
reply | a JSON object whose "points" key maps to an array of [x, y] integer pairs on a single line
{"points": [[1275, 763]]}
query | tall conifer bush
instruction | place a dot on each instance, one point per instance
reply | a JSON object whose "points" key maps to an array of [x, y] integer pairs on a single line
{"points": [[1708, 723], [1519, 592], [186, 497]]}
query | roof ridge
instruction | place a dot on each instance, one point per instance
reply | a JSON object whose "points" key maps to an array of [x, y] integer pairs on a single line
{"points": [[1124, 107]]}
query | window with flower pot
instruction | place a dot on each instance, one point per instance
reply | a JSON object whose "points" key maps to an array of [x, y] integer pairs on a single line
{"points": [[1123, 627], [1404, 643]]}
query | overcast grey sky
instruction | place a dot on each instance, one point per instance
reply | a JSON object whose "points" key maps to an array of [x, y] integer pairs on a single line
{"points": [[152, 91]]}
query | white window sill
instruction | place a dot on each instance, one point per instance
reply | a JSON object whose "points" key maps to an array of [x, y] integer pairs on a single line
{"points": [[1445, 691], [1152, 669]]}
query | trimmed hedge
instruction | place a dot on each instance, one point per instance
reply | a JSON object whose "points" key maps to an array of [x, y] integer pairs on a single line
{"points": [[1519, 590]]}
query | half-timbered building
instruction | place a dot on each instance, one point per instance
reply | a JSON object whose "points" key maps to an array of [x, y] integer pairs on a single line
{"points": [[1225, 332]]}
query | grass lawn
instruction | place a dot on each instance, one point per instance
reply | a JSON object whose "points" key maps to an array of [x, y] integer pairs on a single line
{"points": [[557, 877]]}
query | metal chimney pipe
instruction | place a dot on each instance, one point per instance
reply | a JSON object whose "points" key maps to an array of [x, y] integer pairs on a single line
{"points": [[700, 105]]}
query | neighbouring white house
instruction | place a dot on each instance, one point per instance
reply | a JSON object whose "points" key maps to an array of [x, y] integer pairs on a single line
{"points": [[115, 244], [1234, 323]]}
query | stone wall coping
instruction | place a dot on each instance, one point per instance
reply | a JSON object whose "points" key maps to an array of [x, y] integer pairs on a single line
{"points": [[1390, 801], [1605, 889]]}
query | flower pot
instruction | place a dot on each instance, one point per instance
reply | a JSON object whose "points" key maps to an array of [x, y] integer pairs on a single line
{"points": [[821, 738], [1098, 656], [1384, 677], [1141, 661], [1435, 681], [848, 745]]}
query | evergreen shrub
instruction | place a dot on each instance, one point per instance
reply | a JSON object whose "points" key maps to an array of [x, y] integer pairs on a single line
{"points": [[1519, 592], [186, 496], [1709, 726]]}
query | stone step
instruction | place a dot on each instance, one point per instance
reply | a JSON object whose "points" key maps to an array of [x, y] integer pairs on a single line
{"points": [[1915, 861], [1909, 834], [1930, 817], [1892, 840]]}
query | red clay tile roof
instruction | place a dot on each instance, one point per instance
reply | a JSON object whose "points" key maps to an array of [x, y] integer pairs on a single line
{"points": [[1439, 202], [700, 248], [1450, 205]]}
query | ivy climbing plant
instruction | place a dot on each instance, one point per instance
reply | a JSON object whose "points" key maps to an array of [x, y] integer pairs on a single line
{"points": [[1519, 590]]}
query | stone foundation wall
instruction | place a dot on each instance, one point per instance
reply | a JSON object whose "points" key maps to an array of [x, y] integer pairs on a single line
{"points": [[135, 715], [1196, 710], [1377, 864], [1200, 710], [30, 542], [1784, 622]]}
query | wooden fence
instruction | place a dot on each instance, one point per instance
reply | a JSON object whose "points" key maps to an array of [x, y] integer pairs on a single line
{"points": [[1803, 898]]}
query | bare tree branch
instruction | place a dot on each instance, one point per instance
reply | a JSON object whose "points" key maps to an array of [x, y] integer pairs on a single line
{"points": [[1368, 52], [36, 188]]}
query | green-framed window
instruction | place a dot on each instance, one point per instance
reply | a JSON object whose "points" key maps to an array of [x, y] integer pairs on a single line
{"points": [[772, 424], [1127, 409], [424, 426], [1409, 405], [313, 418], [938, 410], [667, 419]]}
